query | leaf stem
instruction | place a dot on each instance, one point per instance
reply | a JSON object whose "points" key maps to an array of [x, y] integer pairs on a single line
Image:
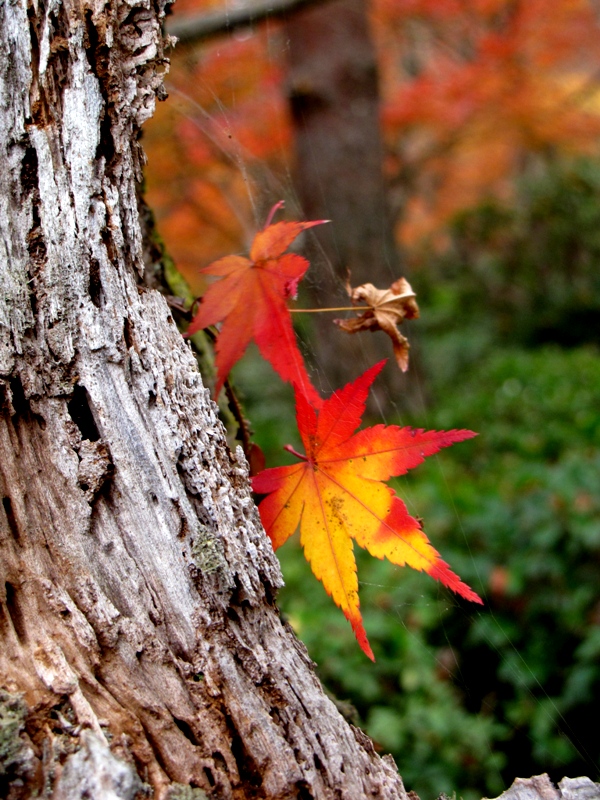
{"points": [[273, 211], [291, 450], [347, 308], [322, 310]]}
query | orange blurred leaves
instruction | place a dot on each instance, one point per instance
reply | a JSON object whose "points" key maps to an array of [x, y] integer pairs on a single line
{"points": [[471, 90]]}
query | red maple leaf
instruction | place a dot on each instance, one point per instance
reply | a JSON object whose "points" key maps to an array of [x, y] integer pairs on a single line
{"points": [[251, 301], [336, 494]]}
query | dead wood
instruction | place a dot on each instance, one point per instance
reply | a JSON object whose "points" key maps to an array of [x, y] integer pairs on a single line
{"points": [[137, 611]]}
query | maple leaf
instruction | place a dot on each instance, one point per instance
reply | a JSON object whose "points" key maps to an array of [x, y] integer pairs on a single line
{"points": [[336, 494], [250, 300], [389, 308]]}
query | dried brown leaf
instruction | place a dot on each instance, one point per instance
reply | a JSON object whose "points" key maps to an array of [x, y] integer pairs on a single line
{"points": [[388, 309]]}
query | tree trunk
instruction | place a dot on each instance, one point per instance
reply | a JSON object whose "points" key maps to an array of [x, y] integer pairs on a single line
{"points": [[139, 638], [334, 101]]}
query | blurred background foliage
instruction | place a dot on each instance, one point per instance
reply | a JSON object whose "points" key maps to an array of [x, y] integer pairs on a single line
{"points": [[498, 224], [471, 92]]}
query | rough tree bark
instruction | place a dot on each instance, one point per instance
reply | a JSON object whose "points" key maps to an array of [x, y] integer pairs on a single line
{"points": [[139, 638], [540, 787]]}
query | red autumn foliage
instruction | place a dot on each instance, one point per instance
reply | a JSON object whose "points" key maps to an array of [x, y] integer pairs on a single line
{"points": [[250, 299], [337, 495]]}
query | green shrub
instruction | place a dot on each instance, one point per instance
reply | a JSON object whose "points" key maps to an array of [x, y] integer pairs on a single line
{"points": [[528, 272], [465, 698]]}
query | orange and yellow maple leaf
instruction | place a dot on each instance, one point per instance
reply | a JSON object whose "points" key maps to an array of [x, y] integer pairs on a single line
{"points": [[337, 495], [251, 301]]}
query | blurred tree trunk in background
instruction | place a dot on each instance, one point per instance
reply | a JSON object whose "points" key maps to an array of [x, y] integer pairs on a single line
{"points": [[139, 638], [334, 100]]}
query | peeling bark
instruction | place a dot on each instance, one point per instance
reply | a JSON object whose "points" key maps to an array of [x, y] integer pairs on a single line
{"points": [[540, 787], [137, 613]]}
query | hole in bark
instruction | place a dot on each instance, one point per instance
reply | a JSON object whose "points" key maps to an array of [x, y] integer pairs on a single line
{"points": [[81, 413], [12, 520], [269, 590], [209, 776], [106, 146], [186, 730], [18, 401], [21, 409], [14, 611], [95, 287], [33, 305], [132, 17], [107, 241], [4, 399], [233, 615], [238, 599], [247, 768], [304, 792], [58, 20], [127, 333], [29, 171], [219, 760]]}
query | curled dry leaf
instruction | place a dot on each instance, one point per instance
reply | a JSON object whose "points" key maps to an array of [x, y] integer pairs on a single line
{"points": [[388, 309]]}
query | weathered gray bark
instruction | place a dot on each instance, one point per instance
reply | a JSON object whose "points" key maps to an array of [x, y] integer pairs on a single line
{"points": [[540, 787], [137, 585]]}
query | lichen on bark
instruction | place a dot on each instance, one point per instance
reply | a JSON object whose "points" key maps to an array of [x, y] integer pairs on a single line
{"points": [[16, 754]]}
